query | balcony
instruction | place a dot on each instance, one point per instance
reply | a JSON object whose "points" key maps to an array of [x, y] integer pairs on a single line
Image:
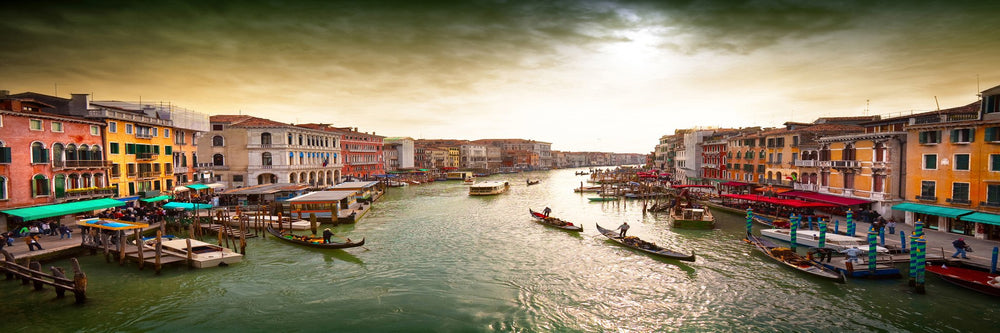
{"points": [[180, 170], [88, 193], [880, 165], [846, 164], [139, 135], [267, 146], [76, 164], [149, 174], [210, 166], [146, 156], [880, 196], [806, 163], [806, 187]]}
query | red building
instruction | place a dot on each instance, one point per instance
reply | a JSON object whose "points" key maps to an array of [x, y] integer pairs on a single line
{"points": [[47, 158], [362, 151]]}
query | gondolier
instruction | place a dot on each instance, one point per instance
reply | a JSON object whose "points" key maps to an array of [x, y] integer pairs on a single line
{"points": [[624, 229], [326, 235], [547, 211]]}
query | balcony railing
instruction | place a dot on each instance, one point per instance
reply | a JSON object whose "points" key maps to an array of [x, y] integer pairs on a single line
{"points": [[78, 164], [149, 174], [806, 163], [77, 194], [846, 164], [806, 187], [143, 135], [880, 196], [210, 166], [145, 156]]}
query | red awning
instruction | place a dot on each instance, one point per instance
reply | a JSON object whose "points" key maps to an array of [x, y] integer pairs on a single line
{"points": [[449, 168], [735, 184], [834, 199], [687, 186], [778, 201]]}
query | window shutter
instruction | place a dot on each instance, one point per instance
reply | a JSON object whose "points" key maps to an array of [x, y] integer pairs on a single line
{"points": [[972, 134], [990, 133], [954, 135], [922, 137], [5, 155], [45, 156], [168, 150]]}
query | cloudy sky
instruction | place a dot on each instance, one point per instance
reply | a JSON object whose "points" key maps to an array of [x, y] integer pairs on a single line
{"points": [[583, 75]]}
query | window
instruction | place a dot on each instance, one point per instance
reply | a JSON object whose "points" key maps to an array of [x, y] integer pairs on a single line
{"points": [[95, 130], [218, 160], [265, 158], [168, 150], [112, 127], [265, 138], [993, 195], [991, 104], [156, 131], [38, 153], [962, 162], [848, 181], [779, 158], [994, 162], [762, 154], [57, 126], [960, 192], [128, 128], [929, 137], [166, 132], [35, 124], [992, 134], [39, 186], [113, 146], [115, 171], [130, 148], [930, 162], [216, 127], [3, 188], [217, 141], [4, 154], [927, 190], [795, 157], [238, 178], [878, 182], [963, 135]]}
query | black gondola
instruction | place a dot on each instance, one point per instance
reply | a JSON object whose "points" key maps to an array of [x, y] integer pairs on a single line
{"points": [[554, 222], [533, 182], [316, 242], [644, 246], [791, 259]]}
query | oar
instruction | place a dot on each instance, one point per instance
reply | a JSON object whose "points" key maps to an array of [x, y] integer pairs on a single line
{"points": [[345, 241]]}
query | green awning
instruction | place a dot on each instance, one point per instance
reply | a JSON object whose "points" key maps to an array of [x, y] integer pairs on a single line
{"points": [[41, 212], [186, 205], [155, 199], [931, 210], [978, 217], [196, 186]]}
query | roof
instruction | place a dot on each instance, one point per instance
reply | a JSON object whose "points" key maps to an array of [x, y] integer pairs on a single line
{"points": [[41, 212], [321, 196], [347, 185], [246, 121], [968, 108], [267, 189]]}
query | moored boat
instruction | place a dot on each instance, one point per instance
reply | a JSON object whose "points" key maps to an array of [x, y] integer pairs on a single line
{"points": [[981, 281], [692, 218], [644, 246], [790, 258], [489, 187], [203, 254], [311, 241], [607, 198], [554, 222], [811, 238]]}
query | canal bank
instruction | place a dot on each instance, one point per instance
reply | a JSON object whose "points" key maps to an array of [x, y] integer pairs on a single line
{"points": [[440, 260]]}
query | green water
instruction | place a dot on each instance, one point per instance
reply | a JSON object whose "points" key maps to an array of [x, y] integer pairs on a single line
{"points": [[439, 260]]}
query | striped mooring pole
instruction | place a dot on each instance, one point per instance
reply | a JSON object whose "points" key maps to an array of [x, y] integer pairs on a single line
{"points": [[836, 226], [822, 234], [872, 251], [850, 223], [902, 240], [795, 230], [881, 237], [749, 220], [913, 260], [921, 264]]}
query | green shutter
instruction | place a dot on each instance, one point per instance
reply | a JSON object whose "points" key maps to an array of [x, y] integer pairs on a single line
{"points": [[954, 135], [995, 162], [962, 162], [922, 137], [991, 132], [168, 150], [972, 135], [156, 149], [130, 148], [114, 147], [5, 155]]}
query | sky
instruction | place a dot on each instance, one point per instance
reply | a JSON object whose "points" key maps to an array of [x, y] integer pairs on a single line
{"points": [[609, 76]]}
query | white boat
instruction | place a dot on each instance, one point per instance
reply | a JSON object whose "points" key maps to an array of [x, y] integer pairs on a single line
{"points": [[470, 181], [489, 187], [203, 255], [811, 238], [593, 189], [459, 175]]}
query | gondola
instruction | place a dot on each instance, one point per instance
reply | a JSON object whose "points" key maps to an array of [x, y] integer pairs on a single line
{"points": [[316, 242], [978, 280], [531, 182], [554, 222], [791, 259], [644, 246]]}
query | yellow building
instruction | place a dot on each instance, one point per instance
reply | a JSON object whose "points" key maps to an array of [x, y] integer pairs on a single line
{"points": [[953, 173], [139, 147]]}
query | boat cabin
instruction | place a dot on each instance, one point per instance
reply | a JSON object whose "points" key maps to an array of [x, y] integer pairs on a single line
{"points": [[459, 175], [489, 187]]}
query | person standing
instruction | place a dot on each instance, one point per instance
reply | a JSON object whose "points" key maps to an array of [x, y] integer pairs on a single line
{"points": [[326, 235], [892, 226], [547, 211], [32, 242], [852, 253], [624, 229], [960, 246]]}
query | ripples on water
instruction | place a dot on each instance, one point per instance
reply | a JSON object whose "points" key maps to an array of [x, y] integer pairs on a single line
{"points": [[439, 260]]}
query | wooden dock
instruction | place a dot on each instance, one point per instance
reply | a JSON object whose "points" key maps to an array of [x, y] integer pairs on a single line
{"points": [[228, 231]]}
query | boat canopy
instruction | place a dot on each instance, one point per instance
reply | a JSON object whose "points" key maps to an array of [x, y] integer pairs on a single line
{"points": [[41, 212]]}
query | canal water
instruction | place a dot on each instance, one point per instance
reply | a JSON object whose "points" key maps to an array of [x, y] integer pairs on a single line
{"points": [[437, 259]]}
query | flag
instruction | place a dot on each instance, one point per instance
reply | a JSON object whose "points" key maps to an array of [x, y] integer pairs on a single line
{"points": [[326, 161]]}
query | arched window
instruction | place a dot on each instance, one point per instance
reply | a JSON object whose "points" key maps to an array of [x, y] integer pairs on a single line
{"points": [[57, 153], [95, 153], [38, 153], [71, 154], [290, 139], [265, 158], [39, 186], [83, 153], [848, 153], [265, 138], [3, 188], [880, 152], [300, 139], [218, 141], [218, 160]]}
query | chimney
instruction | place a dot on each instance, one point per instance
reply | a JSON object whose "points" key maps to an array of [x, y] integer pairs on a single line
{"points": [[79, 104]]}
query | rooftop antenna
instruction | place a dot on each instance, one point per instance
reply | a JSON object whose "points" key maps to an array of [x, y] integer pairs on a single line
{"points": [[868, 103], [936, 103]]}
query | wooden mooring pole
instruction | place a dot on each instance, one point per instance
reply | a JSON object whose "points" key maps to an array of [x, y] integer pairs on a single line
{"points": [[32, 274]]}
